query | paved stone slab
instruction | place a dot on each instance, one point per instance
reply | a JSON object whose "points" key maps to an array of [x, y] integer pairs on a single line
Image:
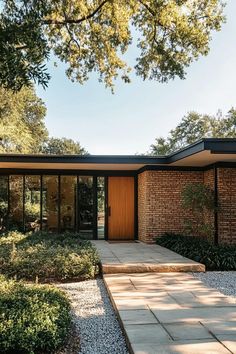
{"points": [[172, 313], [221, 327], [229, 341], [196, 314], [137, 317], [183, 331], [147, 333], [183, 347], [141, 258]]}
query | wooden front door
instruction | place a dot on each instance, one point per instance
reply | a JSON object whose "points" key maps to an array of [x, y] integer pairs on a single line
{"points": [[121, 208]]}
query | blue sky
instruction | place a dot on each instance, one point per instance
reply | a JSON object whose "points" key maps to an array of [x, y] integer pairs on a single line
{"points": [[129, 121]]}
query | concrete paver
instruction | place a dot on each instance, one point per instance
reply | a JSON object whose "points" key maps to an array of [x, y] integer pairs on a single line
{"points": [[161, 308], [137, 257], [172, 313]]}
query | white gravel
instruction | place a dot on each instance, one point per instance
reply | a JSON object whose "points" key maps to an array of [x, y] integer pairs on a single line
{"points": [[99, 329], [225, 282]]}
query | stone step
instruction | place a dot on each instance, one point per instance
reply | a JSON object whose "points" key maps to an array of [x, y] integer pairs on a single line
{"points": [[151, 267]]}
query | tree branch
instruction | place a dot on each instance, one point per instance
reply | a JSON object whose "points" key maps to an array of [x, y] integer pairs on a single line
{"points": [[72, 20]]}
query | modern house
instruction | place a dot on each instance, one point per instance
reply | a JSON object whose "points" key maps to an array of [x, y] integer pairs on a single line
{"points": [[117, 197]]}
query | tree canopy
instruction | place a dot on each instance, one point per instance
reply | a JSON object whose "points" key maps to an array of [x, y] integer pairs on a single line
{"points": [[63, 146], [22, 126], [193, 127], [93, 36], [23, 129]]}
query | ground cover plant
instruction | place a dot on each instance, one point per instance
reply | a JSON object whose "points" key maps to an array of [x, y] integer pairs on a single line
{"points": [[47, 256], [215, 257], [33, 318]]}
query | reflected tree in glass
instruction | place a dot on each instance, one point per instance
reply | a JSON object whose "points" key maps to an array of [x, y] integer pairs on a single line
{"points": [[68, 203], [50, 201], [16, 203], [32, 203], [3, 202]]}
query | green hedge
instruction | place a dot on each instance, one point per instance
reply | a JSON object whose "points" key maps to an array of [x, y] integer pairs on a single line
{"points": [[33, 319], [221, 257], [47, 257]]}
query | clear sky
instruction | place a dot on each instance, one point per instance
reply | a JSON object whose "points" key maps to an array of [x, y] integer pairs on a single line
{"points": [[128, 121]]}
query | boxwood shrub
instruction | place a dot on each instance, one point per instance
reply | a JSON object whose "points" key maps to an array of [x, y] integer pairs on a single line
{"points": [[47, 257], [215, 257], [33, 318]]}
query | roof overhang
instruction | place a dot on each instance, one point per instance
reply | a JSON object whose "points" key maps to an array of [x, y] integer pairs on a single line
{"points": [[200, 154]]}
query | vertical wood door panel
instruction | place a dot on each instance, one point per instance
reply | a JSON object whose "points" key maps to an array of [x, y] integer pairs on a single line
{"points": [[121, 208]]}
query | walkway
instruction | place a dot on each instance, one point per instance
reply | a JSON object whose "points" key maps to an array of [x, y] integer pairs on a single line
{"points": [[172, 313], [138, 257]]}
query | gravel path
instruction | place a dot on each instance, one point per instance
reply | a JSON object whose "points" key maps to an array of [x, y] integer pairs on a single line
{"points": [[225, 282], [99, 329]]}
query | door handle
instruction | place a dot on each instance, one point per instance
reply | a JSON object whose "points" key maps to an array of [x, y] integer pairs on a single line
{"points": [[109, 211]]}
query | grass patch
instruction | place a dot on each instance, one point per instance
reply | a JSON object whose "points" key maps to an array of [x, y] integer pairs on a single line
{"points": [[221, 257], [33, 318], [47, 257]]}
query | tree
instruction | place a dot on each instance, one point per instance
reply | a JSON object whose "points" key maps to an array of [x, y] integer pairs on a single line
{"points": [[63, 146], [193, 127], [22, 127], [93, 36], [199, 200]]}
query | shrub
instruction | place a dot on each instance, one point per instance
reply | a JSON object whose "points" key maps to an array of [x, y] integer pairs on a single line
{"points": [[220, 257], [47, 256], [199, 199], [33, 319]]}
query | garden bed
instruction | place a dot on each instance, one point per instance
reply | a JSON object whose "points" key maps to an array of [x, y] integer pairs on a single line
{"points": [[45, 257], [33, 318], [215, 257]]}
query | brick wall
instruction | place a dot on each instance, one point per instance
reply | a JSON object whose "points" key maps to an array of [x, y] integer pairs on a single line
{"points": [[209, 216], [227, 205], [159, 202]]}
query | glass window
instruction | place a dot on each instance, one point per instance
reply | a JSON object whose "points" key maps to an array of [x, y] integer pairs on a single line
{"points": [[68, 203], [101, 207], [50, 203], [16, 203], [85, 203], [32, 203], [3, 202]]}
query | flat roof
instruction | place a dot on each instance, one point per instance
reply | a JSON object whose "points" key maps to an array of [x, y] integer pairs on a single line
{"points": [[199, 154]]}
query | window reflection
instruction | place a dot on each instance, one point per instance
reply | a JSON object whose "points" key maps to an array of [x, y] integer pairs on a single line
{"points": [[101, 207], [32, 203], [3, 202], [85, 202], [68, 203], [16, 203], [50, 202]]}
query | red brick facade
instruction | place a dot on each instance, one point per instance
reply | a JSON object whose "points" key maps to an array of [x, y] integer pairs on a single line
{"points": [[159, 202], [227, 205]]}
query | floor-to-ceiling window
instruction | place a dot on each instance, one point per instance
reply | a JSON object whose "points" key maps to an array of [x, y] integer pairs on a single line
{"points": [[3, 202], [101, 207], [86, 206], [16, 214], [68, 203], [32, 203], [53, 203], [50, 203]]}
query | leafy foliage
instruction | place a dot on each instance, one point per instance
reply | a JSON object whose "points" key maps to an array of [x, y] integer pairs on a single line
{"points": [[22, 127], [33, 319], [200, 200], [220, 257], [193, 127], [46, 256], [94, 35], [198, 197], [62, 146]]}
